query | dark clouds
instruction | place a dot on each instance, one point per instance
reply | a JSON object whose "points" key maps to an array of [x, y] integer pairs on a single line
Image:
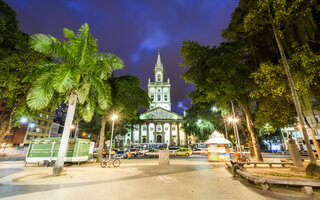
{"points": [[134, 30]]}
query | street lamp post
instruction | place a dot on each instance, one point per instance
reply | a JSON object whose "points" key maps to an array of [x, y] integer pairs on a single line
{"points": [[114, 117], [236, 127]]}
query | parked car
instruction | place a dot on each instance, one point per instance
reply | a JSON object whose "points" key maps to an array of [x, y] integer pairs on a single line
{"points": [[120, 154], [95, 153], [134, 152], [200, 151], [152, 152], [172, 149], [183, 152]]}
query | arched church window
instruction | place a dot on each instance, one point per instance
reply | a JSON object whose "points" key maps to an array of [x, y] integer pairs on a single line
{"points": [[159, 78], [152, 97], [166, 97], [159, 97]]}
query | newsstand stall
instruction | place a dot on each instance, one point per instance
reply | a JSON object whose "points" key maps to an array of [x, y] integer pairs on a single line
{"points": [[218, 148]]}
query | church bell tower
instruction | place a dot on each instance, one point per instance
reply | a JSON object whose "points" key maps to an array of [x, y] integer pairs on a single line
{"points": [[159, 91]]}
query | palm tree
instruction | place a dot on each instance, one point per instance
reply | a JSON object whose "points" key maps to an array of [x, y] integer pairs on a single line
{"points": [[76, 75]]}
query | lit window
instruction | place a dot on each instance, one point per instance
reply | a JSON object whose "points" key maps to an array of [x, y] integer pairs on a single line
{"points": [[37, 130], [47, 116], [40, 114]]}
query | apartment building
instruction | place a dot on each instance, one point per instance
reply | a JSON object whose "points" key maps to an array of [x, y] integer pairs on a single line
{"points": [[40, 127]]}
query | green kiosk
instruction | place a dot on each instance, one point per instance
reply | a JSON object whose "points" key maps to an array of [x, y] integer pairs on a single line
{"points": [[46, 150]]}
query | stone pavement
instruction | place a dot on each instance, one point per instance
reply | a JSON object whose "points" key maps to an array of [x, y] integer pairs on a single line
{"points": [[134, 179]]}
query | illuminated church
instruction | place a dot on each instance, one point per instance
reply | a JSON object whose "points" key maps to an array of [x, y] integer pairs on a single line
{"points": [[161, 125]]}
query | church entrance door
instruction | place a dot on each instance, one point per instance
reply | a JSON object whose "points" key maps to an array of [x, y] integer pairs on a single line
{"points": [[144, 140], [159, 138]]}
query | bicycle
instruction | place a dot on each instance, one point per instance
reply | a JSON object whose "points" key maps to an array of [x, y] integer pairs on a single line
{"points": [[115, 162]]}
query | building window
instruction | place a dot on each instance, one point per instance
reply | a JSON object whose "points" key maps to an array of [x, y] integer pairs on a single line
{"points": [[166, 128], [35, 137], [3, 104], [37, 130], [144, 128], [166, 97], [43, 130], [45, 123], [28, 137], [173, 128], [159, 128], [151, 128], [158, 90], [159, 97], [151, 107], [48, 131], [50, 124], [152, 97], [159, 78], [41, 114], [47, 116]]}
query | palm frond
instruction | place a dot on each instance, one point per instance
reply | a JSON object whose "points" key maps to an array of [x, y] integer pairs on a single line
{"points": [[87, 110], [41, 92], [40, 69], [102, 92], [83, 92], [69, 34], [84, 46], [50, 45], [64, 79]]}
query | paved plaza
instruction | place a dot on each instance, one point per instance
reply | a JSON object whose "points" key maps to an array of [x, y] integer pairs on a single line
{"points": [[134, 179]]}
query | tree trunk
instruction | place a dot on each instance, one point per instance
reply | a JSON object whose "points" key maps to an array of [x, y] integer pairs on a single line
{"points": [[252, 131], [315, 143], [131, 136], [102, 137], [293, 90], [7, 126], [58, 167]]}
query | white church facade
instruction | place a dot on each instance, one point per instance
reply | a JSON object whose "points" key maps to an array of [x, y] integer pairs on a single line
{"points": [[160, 125]]}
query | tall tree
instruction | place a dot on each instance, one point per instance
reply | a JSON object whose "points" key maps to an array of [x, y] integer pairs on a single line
{"points": [[16, 62], [222, 74], [77, 75], [277, 14]]}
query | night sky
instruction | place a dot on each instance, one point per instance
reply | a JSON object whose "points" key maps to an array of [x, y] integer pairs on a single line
{"points": [[134, 30]]}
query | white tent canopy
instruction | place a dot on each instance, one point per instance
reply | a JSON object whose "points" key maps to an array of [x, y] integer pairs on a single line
{"points": [[217, 138]]}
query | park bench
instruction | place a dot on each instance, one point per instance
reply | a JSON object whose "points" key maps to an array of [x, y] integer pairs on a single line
{"points": [[265, 182], [283, 164]]}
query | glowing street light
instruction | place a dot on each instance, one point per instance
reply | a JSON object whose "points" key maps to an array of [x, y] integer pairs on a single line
{"points": [[24, 120], [113, 118], [214, 108], [72, 126]]}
